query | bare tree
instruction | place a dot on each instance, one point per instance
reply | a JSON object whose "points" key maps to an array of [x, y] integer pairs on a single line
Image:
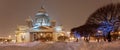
{"points": [[108, 17], [105, 19], [109, 13]]}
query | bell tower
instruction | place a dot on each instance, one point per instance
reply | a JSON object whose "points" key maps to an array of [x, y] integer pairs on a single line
{"points": [[29, 22]]}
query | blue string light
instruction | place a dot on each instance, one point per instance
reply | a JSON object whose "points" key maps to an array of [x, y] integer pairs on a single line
{"points": [[76, 34], [105, 27]]}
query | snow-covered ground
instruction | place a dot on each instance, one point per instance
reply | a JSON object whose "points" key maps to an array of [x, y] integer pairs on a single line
{"points": [[62, 46]]}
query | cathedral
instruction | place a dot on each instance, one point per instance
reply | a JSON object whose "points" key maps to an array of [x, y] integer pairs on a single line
{"points": [[42, 28]]}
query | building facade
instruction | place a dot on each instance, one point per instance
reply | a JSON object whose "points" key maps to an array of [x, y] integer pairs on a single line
{"points": [[39, 29]]}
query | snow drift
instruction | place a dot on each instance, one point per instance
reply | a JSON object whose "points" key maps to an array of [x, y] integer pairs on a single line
{"points": [[62, 46]]}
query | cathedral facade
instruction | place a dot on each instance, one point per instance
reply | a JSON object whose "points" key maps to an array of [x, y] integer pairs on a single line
{"points": [[39, 29]]}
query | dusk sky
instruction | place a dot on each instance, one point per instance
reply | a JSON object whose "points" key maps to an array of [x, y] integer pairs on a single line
{"points": [[69, 13]]}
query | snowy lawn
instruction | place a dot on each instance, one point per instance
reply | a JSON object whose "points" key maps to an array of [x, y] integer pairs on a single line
{"points": [[62, 46]]}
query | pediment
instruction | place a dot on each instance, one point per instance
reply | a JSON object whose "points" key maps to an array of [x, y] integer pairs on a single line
{"points": [[44, 28]]}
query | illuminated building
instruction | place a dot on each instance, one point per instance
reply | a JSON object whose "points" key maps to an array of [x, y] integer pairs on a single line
{"points": [[5, 39], [39, 29]]}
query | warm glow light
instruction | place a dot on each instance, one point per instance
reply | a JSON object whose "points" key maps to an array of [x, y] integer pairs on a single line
{"points": [[68, 32], [23, 33], [119, 32], [9, 36], [62, 34], [99, 31], [82, 37], [41, 34], [15, 35], [5, 40], [72, 38]]}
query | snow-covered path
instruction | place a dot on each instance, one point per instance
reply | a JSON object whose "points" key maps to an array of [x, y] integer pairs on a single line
{"points": [[62, 46]]}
